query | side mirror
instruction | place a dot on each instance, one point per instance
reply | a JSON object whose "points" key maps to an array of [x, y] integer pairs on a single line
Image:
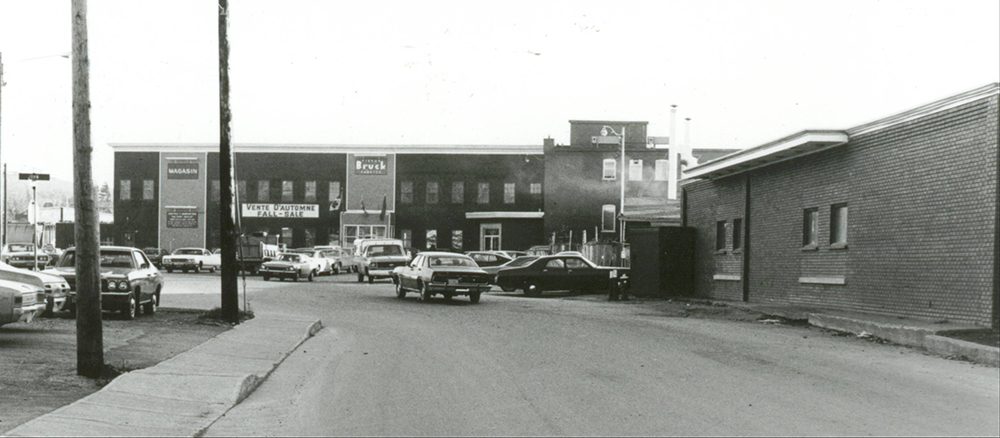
{"points": [[144, 266]]}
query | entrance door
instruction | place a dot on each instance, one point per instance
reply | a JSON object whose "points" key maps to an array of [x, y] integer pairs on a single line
{"points": [[489, 237]]}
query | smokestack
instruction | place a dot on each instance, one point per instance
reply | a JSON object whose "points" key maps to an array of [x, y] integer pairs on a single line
{"points": [[674, 171], [673, 125], [687, 136]]}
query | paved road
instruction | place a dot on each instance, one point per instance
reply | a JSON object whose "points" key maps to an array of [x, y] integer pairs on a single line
{"points": [[513, 365]]}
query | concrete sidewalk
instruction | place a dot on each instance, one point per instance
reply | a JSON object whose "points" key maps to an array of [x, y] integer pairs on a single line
{"points": [[184, 395], [904, 331]]}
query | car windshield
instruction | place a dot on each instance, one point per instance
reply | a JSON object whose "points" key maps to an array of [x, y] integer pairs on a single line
{"points": [[151, 251], [18, 247], [109, 259], [289, 257], [188, 251], [450, 261], [384, 250], [520, 261]]}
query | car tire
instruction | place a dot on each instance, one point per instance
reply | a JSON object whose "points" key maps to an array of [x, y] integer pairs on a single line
{"points": [[150, 307], [295, 277], [170, 270], [400, 292], [361, 277], [311, 275], [130, 308], [507, 289], [184, 271], [425, 294], [267, 277], [336, 270], [212, 269], [370, 278], [474, 297], [199, 268], [447, 297]]}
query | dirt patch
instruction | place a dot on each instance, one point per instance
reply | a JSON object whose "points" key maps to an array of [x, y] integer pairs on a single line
{"points": [[38, 360]]}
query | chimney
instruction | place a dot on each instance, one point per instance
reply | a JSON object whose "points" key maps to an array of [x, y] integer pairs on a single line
{"points": [[549, 142]]}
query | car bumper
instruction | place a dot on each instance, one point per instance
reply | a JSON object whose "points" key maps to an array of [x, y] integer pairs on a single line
{"points": [[109, 300], [26, 314], [57, 303], [458, 289], [281, 273], [380, 273], [180, 265], [26, 264]]}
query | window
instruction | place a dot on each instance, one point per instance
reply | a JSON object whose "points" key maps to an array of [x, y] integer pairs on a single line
{"points": [[609, 168], [432, 239], [125, 187], [242, 190], [432, 192], [147, 190], [737, 234], [310, 193], [310, 237], [263, 190], [810, 223], [635, 170], [287, 191], [508, 193], [406, 192], [484, 193], [334, 195], [286, 236], [216, 190], [555, 264], [838, 224], [456, 240], [608, 218], [536, 188], [662, 170], [407, 237], [720, 236], [350, 234], [457, 192]]}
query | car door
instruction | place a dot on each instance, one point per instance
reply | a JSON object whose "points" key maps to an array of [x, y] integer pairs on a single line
{"points": [[580, 275], [554, 274], [407, 275], [141, 277]]}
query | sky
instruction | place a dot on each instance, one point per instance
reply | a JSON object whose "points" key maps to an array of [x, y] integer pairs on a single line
{"points": [[459, 72]]}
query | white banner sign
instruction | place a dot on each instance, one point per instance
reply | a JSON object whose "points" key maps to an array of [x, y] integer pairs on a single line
{"points": [[281, 210]]}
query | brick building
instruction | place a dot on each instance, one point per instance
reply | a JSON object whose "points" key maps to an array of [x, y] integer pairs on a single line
{"points": [[922, 237]]}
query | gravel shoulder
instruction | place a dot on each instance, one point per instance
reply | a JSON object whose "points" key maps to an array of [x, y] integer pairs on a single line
{"points": [[38, 359]]}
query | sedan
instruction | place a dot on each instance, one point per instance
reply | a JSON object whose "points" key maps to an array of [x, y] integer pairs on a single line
{"points": [[195, 259], [559, 272], [520, 261], [444, 273], [320, 263], [156, 255], [489, 258], [128, 280], [289, 265]]}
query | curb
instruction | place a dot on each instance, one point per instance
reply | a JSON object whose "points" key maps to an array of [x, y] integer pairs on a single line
{"points": [[948, 347], [186, 394]]}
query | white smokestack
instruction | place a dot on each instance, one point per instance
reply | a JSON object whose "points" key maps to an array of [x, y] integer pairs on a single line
{"points": [[673, 172]]}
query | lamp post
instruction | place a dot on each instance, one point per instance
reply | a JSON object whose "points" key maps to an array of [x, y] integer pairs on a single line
{"points": [[621, 208]]}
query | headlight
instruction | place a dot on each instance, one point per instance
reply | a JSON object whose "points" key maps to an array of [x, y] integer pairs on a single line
{"points": [[123, 285], [290, 268], [112, 285]]}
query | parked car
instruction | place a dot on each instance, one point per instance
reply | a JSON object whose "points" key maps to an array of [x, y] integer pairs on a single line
{"points": [[379, 257], [194, 259], [53, 252], [488, 258], [321, 264], [20, 302], [539, 250], [56, 288], [22, 255], [520, 261], [289, 265], [558, 272], [444, 273], [156, 255], [338, 257], [129, 281]]}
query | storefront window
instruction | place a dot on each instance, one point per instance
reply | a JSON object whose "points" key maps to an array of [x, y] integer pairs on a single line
{"points": [[310, 192], [287, 191]]}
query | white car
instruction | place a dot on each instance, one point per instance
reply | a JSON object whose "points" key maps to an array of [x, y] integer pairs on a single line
{"points": [[192, 259], [319, 262], [56, 288], [20, 302]]}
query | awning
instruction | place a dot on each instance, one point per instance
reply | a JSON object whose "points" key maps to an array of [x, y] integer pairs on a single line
{"points": [[793, 146]]}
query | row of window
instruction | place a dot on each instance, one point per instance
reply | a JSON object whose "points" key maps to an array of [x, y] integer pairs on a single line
{"points": [[431, 240], [810, 229], [660, 172], [148, 190], [432, 192]]}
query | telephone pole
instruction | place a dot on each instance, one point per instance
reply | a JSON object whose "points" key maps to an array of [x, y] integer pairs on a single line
{"points": [[89, 330], [230, 286]]}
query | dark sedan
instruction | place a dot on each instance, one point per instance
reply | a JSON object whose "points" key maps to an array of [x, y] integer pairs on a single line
{"points": [[488, 258], [128, 280], [520, 261], [156, 255], [558, 272], [444, 273]]}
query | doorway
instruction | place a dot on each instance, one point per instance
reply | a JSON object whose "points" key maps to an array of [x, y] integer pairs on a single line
{"points": [[489, 237]]}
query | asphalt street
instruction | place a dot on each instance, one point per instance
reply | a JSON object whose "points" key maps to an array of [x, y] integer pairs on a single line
{"points": [[513, 365]]}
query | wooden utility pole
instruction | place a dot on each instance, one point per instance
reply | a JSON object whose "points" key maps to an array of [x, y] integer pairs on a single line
{"points": [[89, 330], [230, 285]]}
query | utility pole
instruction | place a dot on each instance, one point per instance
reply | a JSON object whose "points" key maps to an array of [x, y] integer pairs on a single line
{"points": [[89, 329], [230, 286], [3, 211]]}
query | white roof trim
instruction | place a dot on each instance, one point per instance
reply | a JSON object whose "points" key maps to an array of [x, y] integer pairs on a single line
{"points": [[505, 215], [333, 148], [927, 109], [750, 158]]}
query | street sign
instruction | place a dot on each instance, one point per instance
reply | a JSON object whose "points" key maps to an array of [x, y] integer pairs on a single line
{"points": [[33, 176]]}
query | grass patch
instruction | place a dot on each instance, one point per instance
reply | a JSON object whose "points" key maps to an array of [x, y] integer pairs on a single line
{"points": [[214, 317]]}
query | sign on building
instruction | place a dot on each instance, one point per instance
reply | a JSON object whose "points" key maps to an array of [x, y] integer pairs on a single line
{"points": [[370, 165], [281, 210], [182, 218], [182, 169]]}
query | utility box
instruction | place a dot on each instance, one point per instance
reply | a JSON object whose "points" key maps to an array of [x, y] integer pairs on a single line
{"points": [[662, 261]]}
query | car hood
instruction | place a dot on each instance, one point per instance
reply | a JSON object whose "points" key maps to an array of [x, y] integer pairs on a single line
{"points": [[11, 273], [105, 272], [394, 258], [281, 264]]}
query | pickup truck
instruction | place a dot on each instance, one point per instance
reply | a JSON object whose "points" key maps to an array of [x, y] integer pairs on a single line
{"points": [[20, 302], [378, 257]]}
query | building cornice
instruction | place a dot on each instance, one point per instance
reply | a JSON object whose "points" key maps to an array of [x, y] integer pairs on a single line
{"points": [[333, 148]]}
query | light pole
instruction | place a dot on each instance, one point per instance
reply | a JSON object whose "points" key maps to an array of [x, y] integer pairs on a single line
{"points": [[621, 208]]}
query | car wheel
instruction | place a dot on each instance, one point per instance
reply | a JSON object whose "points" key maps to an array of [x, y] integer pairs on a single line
{"points": [[507, 289], [184, 271], [400, 292], [311, 275], [150, 307], [361, 277], [447, 296], [295, 277], [531, 288], [370, 278], [336, 269], [474, 297], [425, 294], [212, 269], [267, 277], [129, 308], [170, 270]]}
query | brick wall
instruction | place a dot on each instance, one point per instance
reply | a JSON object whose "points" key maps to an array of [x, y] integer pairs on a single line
{"points": [[921, 232]]}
